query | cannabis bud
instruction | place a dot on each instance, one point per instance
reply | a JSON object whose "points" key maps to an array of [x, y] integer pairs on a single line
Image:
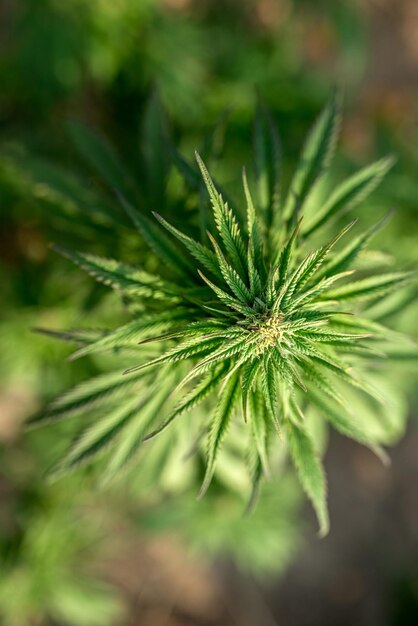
{"points": [[249, 322]]}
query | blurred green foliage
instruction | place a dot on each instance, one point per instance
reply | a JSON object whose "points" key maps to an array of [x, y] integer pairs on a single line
{"points": [[98, 61]]}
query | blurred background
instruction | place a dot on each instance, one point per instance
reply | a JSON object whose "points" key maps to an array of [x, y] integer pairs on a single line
{"points": [[71, 554]]}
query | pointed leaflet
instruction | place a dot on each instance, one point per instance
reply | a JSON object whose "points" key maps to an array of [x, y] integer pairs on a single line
{"points": [[119, 275], [320, 381], [348, 376], [269, 388], [205, 387], [313, 266], [386, 308], [259, 427], [249, 373], [256, 473], [349, 254], [378, 330], [131, 436], [205, 210], [131, 333], [270, 293], [310, 471], [190, 328], [315, 158], [342, 422], [224, 297], [351, 192], [254, 277], [309, 266], [285, 257], [370, 287], [287, 367], [80, 336], [230, 276], [180, 352], [84, 396], [211, 151], [200, 252], [244, 347], [339, 368], [99, 437], [311, 295], [158, 241], [255, 239], [218, 427], [225, 222], [328, 336]]}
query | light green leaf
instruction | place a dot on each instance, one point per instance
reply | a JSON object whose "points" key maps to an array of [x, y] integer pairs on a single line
{"points": [[218, 428], [99, 437], [131, 333], [119, 275], [224, 297], [349, 254], [368, 288], [285, 257], [342, 422], [84, 396], [310, 471], [255, 244], [307, 268], [269, 389], [351, 192], [315, 158], [232, 279], [259, 427], [199, 393], [226, 223], [157, 240], [131, 437], [200, 252]]}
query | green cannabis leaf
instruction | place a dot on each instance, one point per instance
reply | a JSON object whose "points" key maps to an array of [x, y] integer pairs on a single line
{"points": [[251, 323]]}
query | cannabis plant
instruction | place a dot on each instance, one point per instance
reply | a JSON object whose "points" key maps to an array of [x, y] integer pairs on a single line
{"points": [[242, 327]]}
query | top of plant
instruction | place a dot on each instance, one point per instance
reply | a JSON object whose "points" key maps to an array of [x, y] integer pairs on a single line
{"points": [[249, 319]]}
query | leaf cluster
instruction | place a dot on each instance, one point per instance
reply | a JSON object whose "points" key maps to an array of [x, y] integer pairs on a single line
{"points": [[248, 322]]}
